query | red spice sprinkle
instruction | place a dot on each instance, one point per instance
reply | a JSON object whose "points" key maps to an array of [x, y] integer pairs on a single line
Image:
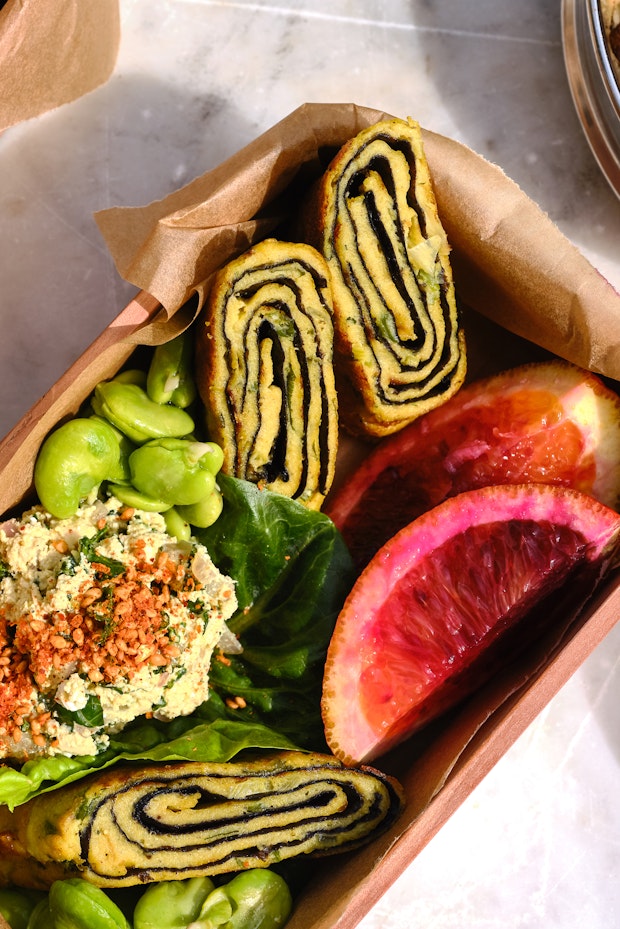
{"points": [[119, 625]]}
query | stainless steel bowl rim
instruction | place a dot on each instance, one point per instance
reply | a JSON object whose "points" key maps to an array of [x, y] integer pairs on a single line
{"points": [[593, 85]]}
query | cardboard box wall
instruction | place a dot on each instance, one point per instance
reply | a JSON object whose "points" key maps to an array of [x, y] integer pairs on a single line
{"points": [[526, 292]]}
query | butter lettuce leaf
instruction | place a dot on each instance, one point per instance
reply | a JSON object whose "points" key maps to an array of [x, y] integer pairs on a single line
{"points": [[292, 572]]}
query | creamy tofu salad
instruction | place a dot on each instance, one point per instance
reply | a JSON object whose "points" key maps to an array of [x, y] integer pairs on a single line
{"points": [[103, 618]]}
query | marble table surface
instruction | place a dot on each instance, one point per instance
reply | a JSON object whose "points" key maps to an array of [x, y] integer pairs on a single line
{"points": [[537, 843]]}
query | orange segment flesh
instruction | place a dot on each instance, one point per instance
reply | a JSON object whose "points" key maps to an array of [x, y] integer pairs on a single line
{"points": [[549, 422], [409, 641]]}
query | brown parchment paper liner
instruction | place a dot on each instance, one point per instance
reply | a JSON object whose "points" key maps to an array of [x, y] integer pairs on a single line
{"points": [[511, 262], [52, 52], [529, 290]]}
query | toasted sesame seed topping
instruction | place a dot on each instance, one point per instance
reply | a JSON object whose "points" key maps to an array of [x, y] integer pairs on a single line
{"points": [[134, 607]]}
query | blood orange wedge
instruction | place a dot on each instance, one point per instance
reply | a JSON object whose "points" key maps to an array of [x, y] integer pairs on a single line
{"points": [[452, 596], [547, 422]]}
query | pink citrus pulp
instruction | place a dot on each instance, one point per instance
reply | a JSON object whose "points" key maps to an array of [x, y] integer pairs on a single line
{"points": [[415, 634], [547, 422]]}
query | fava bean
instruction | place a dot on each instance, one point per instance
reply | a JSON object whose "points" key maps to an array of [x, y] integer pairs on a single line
{"points": [[130, 409], [131, 376], [177, 526], [170, 377], [255, 899], [75, 459], [76, 904], [215, 457], [17, 905], [204, 513], [176, 470], [171, 904], [41, 916], [132, 497]]}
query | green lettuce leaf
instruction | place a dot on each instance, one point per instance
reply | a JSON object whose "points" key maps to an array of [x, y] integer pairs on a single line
{"points": [[292, 572], [218, 741]]}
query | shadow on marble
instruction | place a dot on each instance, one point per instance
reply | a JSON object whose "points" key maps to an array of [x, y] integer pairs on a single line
{"points": [[508, 95], [130, 142]]}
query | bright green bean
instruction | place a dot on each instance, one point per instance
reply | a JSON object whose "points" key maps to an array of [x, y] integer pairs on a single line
{"points": [[170, 375], [74, 460], [17, 905], [255, 899], [216, 911], [215, 457], [130, 409], [41, 916], [204, 513], [128, 495], [76, 904], [177, 526], [175, 470], [131, 376], [171, 904]]}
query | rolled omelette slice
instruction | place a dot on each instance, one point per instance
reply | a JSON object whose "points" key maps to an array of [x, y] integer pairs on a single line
{"points": [[265, 370], [399, 346], [133, 825]]}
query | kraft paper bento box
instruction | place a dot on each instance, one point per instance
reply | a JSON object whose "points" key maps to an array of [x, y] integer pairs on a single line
{"points": [[526, 293]]}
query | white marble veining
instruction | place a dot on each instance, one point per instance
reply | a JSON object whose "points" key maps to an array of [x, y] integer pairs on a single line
{"points": [[537, 844]]}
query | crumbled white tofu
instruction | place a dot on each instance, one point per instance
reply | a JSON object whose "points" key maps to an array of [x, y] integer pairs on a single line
{"points": [[103, 618]]}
